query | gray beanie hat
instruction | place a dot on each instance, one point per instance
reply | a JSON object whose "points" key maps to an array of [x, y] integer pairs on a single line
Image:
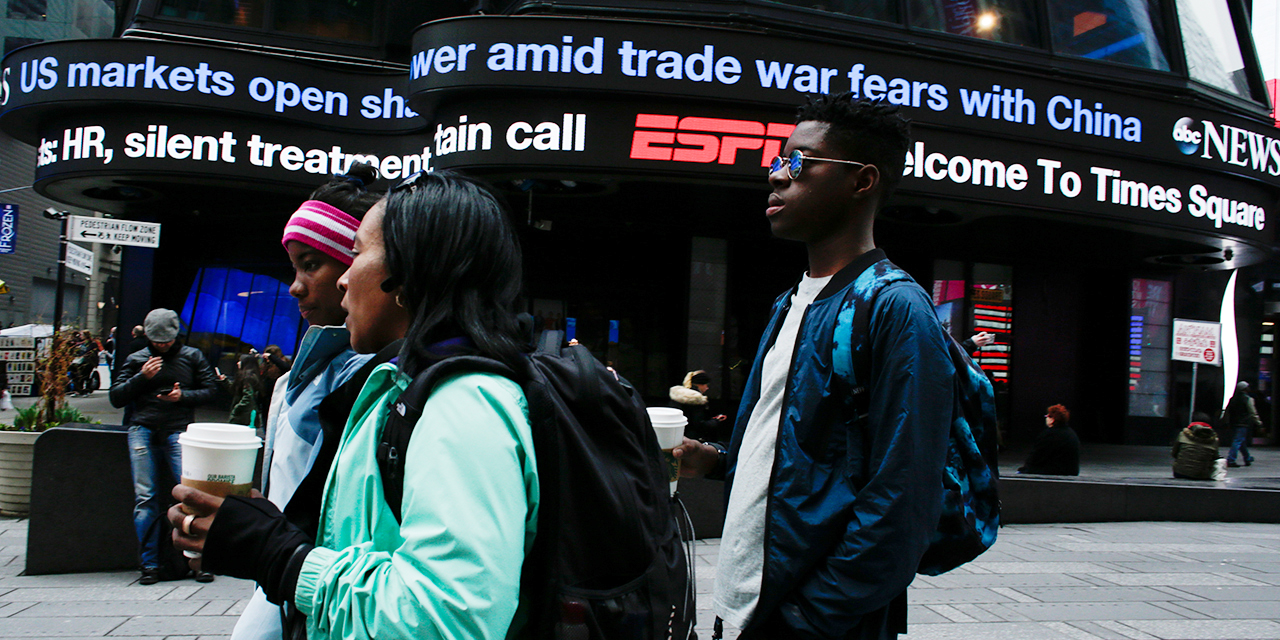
{"points": [[161, 325]]}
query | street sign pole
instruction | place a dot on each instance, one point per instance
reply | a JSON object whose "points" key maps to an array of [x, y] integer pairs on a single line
{"points": [[1195, 375], [61, 216]]}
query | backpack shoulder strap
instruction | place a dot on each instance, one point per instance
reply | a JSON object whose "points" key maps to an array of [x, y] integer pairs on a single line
{"points": [[855, 327], [405, 412]]}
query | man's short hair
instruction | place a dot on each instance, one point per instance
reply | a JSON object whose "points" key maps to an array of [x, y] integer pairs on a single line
{"points": [[863, 131]]}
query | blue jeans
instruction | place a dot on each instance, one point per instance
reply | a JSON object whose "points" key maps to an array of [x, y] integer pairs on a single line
{"points": [[1240, 442], [149, 478]]}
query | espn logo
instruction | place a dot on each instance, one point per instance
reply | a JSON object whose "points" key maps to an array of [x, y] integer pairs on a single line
{"points": [[705, 140]]}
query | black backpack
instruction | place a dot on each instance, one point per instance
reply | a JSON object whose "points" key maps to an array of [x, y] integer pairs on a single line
{"points": [[970, 520], [607, 561]]}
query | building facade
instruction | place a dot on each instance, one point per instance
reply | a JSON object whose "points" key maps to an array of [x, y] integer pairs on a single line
{"points": [[1082, 173]]}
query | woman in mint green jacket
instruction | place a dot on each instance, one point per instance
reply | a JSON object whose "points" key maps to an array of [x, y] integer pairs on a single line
{"points": [[447, 281]]}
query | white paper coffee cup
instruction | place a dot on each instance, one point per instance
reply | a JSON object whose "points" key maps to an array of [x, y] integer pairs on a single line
{"points": [[219, 458], [668, 425]]}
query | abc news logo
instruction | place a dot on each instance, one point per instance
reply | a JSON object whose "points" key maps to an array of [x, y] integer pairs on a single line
{"points": [[1188, 139], [705, 140]]}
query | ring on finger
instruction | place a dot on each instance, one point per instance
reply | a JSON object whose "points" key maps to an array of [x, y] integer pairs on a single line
{"points": [[186, 524]]}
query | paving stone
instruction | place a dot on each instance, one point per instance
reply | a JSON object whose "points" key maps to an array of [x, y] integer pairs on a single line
{"points": [[80, 594], [1024, 580], [1240, 558], [21, 627], [234, 589], [176, 625], [11, 608], [1016, 595], [1178, 579], [922, 615], [1075, 556], [109, 608], [976, 613], [1046, 567], [1070, 631], [1209, 629], [984, 631], [1005, 613], [181, 592], [1236, 610], [215, 608], [1089, 611], [1189, 550], [951, 613], [1174, 567], [106, 579], [1177, 609], [1232, 594], [1097, 630], [1125, 631], [238, 608], [1266, 578], [952, 596], [1096, 594]]}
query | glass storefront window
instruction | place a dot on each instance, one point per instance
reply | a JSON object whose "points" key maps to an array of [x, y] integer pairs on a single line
{"points": [[1213, 52], [238, 13], [337, 19], [28, 10], [1150, 331], [870, 9], [1116, 30], [1009, 21]]}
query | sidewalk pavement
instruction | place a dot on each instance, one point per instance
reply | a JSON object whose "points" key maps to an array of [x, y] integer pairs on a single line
{"points": [[1118, 581], [1109, 581]]}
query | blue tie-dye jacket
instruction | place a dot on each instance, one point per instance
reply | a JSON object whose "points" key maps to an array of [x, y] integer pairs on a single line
{"points": [[851, 508]]}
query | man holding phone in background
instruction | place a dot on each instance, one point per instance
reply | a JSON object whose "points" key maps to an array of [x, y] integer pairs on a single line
{"points": [[165, 382]]}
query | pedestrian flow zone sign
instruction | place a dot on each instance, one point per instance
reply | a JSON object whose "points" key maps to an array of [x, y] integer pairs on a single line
{"points": [[1196, 341], [79, 259], [112, 231]]}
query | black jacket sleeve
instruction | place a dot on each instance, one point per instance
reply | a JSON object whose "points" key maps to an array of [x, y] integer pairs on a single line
{"points": [[204, 384], [251, 539], [129, 382]]}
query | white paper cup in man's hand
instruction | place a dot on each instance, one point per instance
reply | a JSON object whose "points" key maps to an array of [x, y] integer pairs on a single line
{"points": [[669, 424], [219, 458]]}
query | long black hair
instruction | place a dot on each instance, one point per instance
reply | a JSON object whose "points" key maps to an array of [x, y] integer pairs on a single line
{"points": [[248, 375], [452, 248]]}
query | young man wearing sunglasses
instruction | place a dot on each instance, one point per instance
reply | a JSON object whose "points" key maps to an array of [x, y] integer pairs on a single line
{"points": [[828, 513]]}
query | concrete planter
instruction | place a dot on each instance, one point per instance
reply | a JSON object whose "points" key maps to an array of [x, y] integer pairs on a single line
{"points": [[16, 448]]}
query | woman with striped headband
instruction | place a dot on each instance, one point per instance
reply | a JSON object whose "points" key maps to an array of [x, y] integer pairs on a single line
{"points": [[319, 238]]}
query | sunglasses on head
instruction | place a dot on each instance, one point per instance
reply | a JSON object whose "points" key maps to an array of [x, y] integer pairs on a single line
{"points": [[795, 163], [410, 183]]}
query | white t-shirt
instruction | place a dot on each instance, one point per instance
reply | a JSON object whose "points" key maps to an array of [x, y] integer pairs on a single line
{"points": [[740, 569]]}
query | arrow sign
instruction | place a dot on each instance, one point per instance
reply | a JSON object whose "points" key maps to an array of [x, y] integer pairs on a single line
{"points": [[111, 231], [79, 259]]}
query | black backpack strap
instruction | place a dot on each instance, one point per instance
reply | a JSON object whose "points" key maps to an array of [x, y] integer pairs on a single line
{"points": [[405, 412]]}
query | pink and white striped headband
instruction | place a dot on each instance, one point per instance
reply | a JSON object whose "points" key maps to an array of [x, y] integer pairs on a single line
{"points": [[325, 228]]}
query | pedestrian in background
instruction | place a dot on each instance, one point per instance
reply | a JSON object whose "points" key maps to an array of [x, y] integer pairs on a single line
{"points": [[1056, 451], [246, 392], [1195, 452], [164, 382], [1242, 415], [690, 397]]}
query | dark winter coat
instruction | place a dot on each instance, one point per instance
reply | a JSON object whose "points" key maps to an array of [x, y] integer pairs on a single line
{"points": [[1055, 453], [183, 365], [1196, 452]]}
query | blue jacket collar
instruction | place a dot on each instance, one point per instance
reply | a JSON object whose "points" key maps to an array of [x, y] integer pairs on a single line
{"points": [[319, 346]]}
